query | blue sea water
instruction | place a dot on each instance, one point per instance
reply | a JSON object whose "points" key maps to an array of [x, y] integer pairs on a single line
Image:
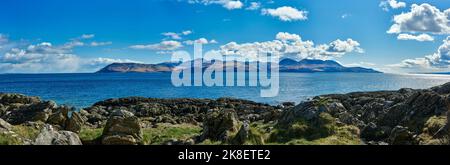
{"points": [[84, 89]]}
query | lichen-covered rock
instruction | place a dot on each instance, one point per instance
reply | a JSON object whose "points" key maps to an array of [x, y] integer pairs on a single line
{"points": [[243, 135], [49, 136], [122, 128], [59, 117], [39, 111], [218, 125], [401, 136], [75, 122]]}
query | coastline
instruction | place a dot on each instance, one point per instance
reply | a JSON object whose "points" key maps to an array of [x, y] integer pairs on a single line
{"points": [[405, 116]]}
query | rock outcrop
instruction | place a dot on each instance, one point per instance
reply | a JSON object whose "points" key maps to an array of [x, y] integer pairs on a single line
{"points": [[219, 125], [122, 128], [394, 117], [49, 136]]}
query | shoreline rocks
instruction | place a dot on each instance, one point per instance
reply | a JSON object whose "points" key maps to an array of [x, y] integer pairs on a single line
{"points": [[402, 117]]}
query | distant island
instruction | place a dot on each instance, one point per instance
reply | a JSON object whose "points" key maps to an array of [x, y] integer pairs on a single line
{"points": [[285, 65]]}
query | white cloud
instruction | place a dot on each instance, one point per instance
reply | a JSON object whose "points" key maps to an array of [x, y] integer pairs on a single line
{"points": [[172, 35], [439, 59], [228, 4], [286, 13], [162, 46], [95, 44], [203, 41], [344, 16], [87, 36], [283, 36], [186, 32], [291, 46], [254, 6], [213, 41], [385, 5], [46, 57], [423, 18], [361, 64], [231, 5], [348, 45], [41, 57], [176, 36], [421, 37]]}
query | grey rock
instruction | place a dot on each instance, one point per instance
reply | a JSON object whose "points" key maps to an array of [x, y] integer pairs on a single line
{"points": [[122, 128], [49, 136]]}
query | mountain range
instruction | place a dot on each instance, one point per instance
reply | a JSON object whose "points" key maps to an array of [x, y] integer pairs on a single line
{"points": [[285, 65]]}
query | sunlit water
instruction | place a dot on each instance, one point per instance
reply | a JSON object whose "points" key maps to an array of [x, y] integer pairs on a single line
{"points": [[82, 90]]}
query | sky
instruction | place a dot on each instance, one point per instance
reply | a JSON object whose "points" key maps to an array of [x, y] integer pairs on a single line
{"points": [[54, 36]]}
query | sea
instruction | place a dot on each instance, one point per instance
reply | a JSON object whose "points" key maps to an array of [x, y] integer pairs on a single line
{"points": [[84, 89]]}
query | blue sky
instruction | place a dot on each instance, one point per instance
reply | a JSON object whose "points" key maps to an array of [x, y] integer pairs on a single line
{"points": [[83, 35]]}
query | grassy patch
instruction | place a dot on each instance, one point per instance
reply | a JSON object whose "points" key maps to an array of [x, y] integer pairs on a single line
{"points": [[320, 131], [164, 132], [90, 134], [18, 134], [9, 139]]}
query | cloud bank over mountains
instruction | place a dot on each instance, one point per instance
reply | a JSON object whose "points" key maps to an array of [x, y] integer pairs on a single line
{"points": [[44, 57]]}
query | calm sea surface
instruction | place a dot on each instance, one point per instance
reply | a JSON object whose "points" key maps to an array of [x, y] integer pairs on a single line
{"points": [[82, 90]]}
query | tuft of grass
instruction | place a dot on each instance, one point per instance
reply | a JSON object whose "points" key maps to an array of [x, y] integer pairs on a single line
{"points": [[90, 134], [435, 123], [18, 134], [9, 139], [164, 132], [26, 132], [320, 131]]}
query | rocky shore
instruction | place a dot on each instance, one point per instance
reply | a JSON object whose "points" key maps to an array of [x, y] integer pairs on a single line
{"points": [[403, 117]]}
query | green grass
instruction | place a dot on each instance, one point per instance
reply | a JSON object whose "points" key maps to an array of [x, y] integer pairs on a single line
{"points": [[322, 131], [90, 134], [8, 139], [164, 132], [19, 132]]}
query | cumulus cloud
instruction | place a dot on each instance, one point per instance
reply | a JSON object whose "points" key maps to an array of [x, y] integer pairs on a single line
{"points": [[231, 5], [228, 4], [283, 36], [385, 5], [176, 36], [288, 45], [95, 44], [45, 57], [421, 37], [286, 13], [87, 36], [254, 6], [423, 18], [162, 46], [200, 41], [439, 59], [172, 35], [186, 32], [41, 57]]}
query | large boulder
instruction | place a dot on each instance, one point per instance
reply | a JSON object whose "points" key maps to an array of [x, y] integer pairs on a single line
{"points": [[219, 124], [401, 136], [75, 122], [49, 136], [59, 117], [122, 128]]}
